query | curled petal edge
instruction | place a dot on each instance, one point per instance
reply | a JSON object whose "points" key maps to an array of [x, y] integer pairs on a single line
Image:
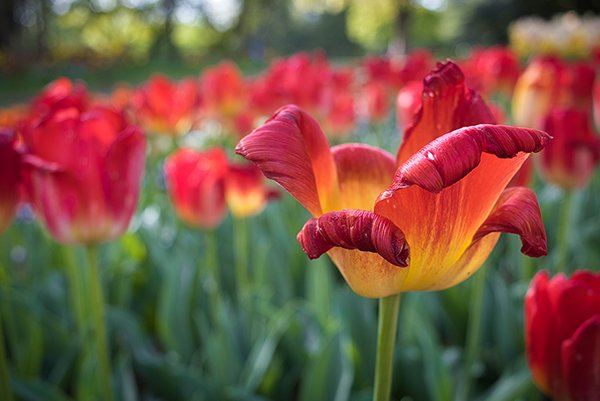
{"points": [[517, 212], [452, 156], [355, 229]]}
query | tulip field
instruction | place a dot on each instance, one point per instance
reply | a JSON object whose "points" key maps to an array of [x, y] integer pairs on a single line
{"points": [[414, 228]]}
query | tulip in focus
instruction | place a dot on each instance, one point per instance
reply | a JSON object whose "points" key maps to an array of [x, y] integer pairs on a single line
{"points": [[426, 219], [10, 165], [562, 333], [196, 182], [84, 170]]}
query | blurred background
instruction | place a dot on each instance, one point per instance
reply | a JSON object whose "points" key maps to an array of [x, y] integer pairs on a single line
{"points": [[130, 39]]}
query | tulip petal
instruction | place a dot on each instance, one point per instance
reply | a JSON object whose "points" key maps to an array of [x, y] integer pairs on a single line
{"points": [[451, 157], [518, 212], [440, 219], [363, 173], [581, 361], [539, 319], [354, 229], [447, 104], [291, 149], [125, 161]]}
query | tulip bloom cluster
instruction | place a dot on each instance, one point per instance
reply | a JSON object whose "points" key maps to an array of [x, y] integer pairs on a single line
{"points": [[80, 164], [203, 184], [562, 322], [424, 220]]}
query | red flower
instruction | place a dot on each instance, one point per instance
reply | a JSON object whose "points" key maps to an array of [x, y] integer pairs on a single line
{"points": [[84, 172], [166, 107], [408, 102], [61, 94], [436, 210], [245, 191], [570, 159], [493, 70], [10, 164], [562, 333], [224, 91], [196, 182]]}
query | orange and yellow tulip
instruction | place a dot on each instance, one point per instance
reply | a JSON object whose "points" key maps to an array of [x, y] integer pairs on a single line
{"points": [[425, 220]]}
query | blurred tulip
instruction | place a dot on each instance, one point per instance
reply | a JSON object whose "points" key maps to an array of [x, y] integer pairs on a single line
{"points": [[424, 222], [375, 102], [61, 94], [224, 91], [408, 103], [549, 82], [492, 70], [562, 334], [196, 182], [84, 170], [166, 107], [570, 159], [245, 190], [10, 164]]}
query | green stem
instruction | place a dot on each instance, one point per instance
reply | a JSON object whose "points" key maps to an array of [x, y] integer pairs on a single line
{"points": [[562, 240], [240, 240], [211, 267], [5, 392], [77, 290], [473, 342], [99, 329], [386, 341]]}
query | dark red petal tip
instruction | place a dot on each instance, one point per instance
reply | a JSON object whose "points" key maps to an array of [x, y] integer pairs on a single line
{"points": [[355, 229], [450, 157], [518, 212]]}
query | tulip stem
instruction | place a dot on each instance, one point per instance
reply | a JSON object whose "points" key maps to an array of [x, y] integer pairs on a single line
{"points": [[77, 291], [473, 341], [240, 239], [562, 239], [211, 262], [98, 325], [386, 341]]}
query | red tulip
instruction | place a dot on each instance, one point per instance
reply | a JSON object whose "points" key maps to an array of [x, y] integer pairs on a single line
{"points": [[375, 102], [10, 164], [196, 182], [166, 107], [224, 91], [570, 159], [84, 172], [245, 191], [408, 102], [562, 333], [425, 221], [61, 94], [493, 70]]}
